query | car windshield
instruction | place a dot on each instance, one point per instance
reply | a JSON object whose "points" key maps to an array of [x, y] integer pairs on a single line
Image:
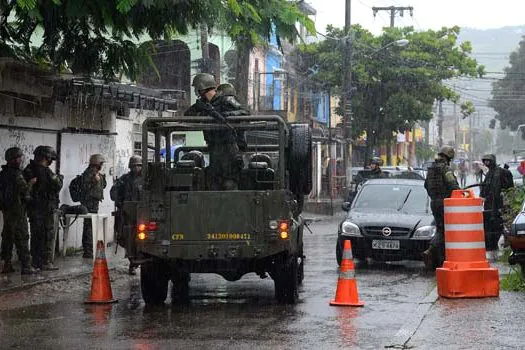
{"points": [[405, 198]]}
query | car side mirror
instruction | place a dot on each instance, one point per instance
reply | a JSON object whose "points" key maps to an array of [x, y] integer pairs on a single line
{"points": [[346, 206]]}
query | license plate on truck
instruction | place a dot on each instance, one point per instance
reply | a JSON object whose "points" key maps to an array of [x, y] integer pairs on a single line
{"points": [[385, 244]]}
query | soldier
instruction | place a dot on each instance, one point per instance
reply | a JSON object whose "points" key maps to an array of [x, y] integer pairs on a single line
{"points": [[44, 201], [223, 145], [92, 193], [127, 188], [440, 183], [494, 183], [376, 172], [15, 229]]}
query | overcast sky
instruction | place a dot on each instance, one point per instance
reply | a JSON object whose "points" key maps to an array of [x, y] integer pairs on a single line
{"points": [[428, 14]]}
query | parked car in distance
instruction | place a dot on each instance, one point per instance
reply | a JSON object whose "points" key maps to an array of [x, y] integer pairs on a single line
{"points": [[516, 239], [389, 220]]}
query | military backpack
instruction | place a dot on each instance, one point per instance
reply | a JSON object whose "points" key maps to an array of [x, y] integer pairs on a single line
{"points": [[75, 188]]}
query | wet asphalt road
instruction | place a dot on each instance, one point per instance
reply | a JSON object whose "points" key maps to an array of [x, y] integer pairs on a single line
{"points": [[222, 315]]}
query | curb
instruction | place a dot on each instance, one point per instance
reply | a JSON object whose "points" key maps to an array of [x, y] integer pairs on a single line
{"points": [[410, 327], [49, 280]]}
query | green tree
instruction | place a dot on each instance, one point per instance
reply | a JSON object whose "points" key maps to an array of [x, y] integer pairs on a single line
{"points": [[394, 87], [101, 37], [508, 94]]}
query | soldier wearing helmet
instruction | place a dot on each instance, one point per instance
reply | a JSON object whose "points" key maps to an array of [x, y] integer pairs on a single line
{"points": [[46, 186], [92, 193], [376, 172], [127, 188], [224, 144], [496, 180], [13, 200], [440, 183]]}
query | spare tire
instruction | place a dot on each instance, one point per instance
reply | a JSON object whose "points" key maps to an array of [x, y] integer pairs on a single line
{"points": [[300, 159]]}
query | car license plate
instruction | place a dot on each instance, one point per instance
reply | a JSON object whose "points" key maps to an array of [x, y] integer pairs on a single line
{"points": [[384, 244]]}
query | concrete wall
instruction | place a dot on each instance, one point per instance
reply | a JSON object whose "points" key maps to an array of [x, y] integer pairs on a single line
{"points": [[75, 149]]}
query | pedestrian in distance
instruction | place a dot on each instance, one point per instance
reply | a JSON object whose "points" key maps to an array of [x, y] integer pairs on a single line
{"points": [[46, 186], [14, 196], [439, 183], [463, 172], [93, 182], [127, 188]]}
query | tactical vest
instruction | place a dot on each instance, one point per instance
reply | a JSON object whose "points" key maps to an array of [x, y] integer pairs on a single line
{"points": [[436, 185]]}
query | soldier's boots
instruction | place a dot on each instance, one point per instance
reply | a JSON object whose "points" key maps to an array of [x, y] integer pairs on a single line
{"points": [[49, 267], [29, 270], [8, 267]]}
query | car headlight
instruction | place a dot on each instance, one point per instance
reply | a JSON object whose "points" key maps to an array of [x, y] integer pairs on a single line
{"points": [[425, 232], [350, 229]]}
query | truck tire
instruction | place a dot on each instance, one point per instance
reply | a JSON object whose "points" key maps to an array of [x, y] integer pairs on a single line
{"points": [[154, 279], [300, 159], [286, 281], [180, 289]]}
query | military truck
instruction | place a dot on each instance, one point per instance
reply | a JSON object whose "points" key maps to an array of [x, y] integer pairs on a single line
{"points": [[183, 227]]}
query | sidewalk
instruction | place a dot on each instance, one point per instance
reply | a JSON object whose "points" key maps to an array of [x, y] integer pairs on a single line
{"points": [[69, 267]]}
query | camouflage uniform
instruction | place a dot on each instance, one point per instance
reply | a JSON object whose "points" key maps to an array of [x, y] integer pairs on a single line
{"points": [[44, 201], [496, 180], [15, 231], [440, 183], [127, 188], [92, 194], [223, 145]]}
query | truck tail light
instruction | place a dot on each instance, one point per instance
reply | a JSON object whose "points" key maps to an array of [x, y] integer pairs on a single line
{"points": [[283, 229], [153, 226], [144, 228]]}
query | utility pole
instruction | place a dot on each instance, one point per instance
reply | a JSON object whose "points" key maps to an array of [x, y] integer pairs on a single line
{"points": [[347, 96], [393, 11]]}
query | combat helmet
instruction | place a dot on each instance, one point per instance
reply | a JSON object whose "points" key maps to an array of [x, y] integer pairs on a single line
{"points": [[226, 89], [47, 152], [448, 152], [377, 161], [490, 157], [13, 153], [134, 160], [97, 159], [204, 81]]}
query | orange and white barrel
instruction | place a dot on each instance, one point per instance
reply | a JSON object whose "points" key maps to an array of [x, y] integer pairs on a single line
{"points": [[464, 232]]}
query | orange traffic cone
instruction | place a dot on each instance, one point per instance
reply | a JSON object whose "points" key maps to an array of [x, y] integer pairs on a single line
{"points": [[100, 285], [346, 294]]}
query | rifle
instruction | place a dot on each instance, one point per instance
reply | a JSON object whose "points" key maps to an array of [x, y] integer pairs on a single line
{"points": [[208, 107]]}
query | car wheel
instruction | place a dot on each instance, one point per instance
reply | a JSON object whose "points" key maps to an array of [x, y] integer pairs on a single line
{"points": [[338, 252], [154, 279]]}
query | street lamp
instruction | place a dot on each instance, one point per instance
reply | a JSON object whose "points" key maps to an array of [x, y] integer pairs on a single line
{"points": [[399, 43]]}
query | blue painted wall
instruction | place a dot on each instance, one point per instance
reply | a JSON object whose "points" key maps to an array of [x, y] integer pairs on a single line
{"points": [[274, 60], [321, 107]]}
